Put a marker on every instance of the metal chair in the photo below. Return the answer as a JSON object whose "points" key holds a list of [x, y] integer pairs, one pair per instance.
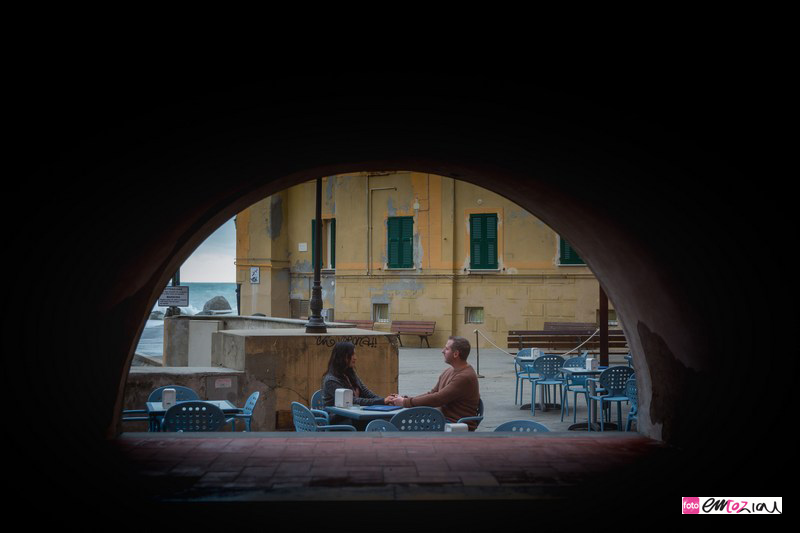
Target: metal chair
{"points": [[316, 400], [193, 416], [305, 420], [181, 394], [522, 426], [246, 414], [523, 371], [632, 392], [477, 419], [576, 385], [381, 425], [419, 419], [548, 368], [613, 380]]}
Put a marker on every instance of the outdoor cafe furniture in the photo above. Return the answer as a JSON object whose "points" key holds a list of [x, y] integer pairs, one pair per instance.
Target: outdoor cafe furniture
{"points": [[381, 425], [613, 381], [181, 394], [193, 416], [574, 382], [574, 374], [246, 412], [548, 368], [419, 419], [632, 392], [477, 419], [157, 412], [522, 426], [523, 370], [306, 420], [365, 413]]}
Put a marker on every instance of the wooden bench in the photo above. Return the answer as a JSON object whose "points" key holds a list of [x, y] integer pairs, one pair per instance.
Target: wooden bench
{"points": [[564, 340], [361, 324], [421, 328], [569, 326]]}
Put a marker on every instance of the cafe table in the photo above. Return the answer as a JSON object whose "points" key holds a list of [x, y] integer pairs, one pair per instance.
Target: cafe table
{"points": [[590, 384], [155, 410], [365, 413]]}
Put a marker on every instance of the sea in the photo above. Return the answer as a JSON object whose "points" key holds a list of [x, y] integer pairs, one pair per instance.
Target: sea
{"points": [[152, 340]]}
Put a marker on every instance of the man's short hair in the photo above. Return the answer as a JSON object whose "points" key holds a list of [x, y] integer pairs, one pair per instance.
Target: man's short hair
{"points": [[462, 346]]}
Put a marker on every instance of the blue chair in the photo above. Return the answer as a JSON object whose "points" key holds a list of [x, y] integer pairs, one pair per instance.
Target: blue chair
{"points": [[246, 412], [523, 371], [576, 385], [181, 394], [193, 416], [419, 419], [477, 419], [632, 392], [318, 408], [381, 425], [317, 401], [305, 420], [548, 368], [522, 426], [613, 381]]}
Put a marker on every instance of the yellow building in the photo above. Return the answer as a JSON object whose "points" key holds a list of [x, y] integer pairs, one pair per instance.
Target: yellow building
{"points": [[411, 246]]}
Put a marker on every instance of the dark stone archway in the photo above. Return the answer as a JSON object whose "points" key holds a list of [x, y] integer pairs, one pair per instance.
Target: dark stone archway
{"points": [[653, 190]]}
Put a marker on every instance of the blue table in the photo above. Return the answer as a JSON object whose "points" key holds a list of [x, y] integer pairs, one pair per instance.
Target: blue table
{"points": [[358, 413], [156, 410]]}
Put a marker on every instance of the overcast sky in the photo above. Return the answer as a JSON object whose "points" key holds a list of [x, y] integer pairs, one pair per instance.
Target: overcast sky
{"points": [[214, 260]]}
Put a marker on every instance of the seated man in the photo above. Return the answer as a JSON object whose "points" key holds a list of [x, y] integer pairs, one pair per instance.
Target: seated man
{"points": [[456, 393]]}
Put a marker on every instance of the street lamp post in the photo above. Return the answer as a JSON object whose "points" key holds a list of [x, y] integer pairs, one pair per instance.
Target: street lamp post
{"points": [[316, 324]]}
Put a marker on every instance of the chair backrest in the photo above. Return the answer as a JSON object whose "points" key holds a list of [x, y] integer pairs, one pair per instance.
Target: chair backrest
{"points": [[614, 378], [316, 400], [579, 361], [480, 406], [381, 425], [251, 403], [193, 416], [522, 426], [181, 393], [632, 392], [548, 366], [303, 418], [419, 419]]}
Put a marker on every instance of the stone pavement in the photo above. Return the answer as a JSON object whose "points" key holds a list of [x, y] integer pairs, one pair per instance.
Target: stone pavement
{"points": [[282, 467]]}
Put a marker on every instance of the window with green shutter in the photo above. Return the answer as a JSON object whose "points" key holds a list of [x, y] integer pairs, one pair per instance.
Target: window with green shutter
{"points": [[483, 241], [567, 254], [400, 242]]}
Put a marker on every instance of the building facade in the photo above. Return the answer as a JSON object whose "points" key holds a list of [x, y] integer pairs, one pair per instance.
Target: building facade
{"points": [[411, 246]]}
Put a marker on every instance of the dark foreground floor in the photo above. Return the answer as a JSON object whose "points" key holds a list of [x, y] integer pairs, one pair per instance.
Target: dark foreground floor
{"points": [[446, 474]]}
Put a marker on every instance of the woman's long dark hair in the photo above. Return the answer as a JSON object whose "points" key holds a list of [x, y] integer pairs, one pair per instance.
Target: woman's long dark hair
{"points": [[338, 364]]}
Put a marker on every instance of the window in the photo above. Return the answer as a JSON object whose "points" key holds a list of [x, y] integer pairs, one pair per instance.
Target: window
{"points": [[567, 254], [483, 241], [380, 312], [473, 315], [328, 243], [400, 242]]}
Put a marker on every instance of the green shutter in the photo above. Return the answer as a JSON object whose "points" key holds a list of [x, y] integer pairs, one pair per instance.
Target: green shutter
{"points": [[568, 255], [400, 247], [483, 241]]}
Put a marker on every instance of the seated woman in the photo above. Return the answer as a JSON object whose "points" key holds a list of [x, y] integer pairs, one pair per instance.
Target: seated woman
{"points": [[342, 375]]}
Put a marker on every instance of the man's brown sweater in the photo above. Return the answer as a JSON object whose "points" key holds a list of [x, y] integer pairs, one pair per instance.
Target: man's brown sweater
{"points": [[456, 393]]}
